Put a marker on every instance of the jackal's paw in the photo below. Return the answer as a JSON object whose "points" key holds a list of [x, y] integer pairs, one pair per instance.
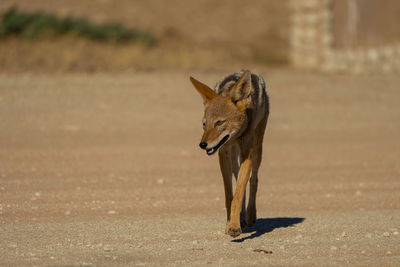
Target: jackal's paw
{"points": [[251, 218], [233, 230]]}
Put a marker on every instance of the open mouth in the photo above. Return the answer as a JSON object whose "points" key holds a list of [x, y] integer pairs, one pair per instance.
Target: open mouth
{"points": [[214, 149]]}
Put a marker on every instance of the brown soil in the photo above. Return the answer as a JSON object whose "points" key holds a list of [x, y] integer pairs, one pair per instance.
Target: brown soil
{"points": [[105, 170]]}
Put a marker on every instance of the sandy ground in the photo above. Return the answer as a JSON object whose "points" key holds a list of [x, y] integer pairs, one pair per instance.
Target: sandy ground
{"points": [[105, 170]]}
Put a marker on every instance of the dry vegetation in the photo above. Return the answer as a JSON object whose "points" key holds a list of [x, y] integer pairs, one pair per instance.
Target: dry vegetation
{"points": [[191, 35]]}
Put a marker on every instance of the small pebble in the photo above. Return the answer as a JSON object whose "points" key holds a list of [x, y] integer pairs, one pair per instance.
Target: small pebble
{"points": [[333, 248], [263, 251], [107, 248], [395, 233], [111, 212], [386, 234]]}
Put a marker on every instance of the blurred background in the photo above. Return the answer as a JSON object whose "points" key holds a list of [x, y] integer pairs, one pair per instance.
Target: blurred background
{"points": [[332, 35], [202, 34]]}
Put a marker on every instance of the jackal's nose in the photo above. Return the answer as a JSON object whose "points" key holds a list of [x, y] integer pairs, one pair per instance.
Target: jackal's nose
{"points": [[203, 145]]}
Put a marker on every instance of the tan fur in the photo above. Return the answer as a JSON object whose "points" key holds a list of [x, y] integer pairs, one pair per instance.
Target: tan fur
{"points": [[238, 116]]}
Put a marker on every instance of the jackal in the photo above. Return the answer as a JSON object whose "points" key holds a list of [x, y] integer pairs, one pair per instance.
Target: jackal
{"points": [[235, 117]]}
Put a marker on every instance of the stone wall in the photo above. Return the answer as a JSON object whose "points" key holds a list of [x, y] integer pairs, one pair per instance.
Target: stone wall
{"points": [[312, 42]]}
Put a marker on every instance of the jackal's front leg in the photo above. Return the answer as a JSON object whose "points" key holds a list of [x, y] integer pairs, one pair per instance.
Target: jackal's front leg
{"points": [[233, 227], [225, 164]]}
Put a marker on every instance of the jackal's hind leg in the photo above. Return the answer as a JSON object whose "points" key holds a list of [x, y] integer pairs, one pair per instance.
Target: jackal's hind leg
{"points": [[251, 215], [243, 217]]}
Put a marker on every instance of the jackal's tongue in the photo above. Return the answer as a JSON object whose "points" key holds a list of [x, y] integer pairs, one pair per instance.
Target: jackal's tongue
{"points": [[210, 151]]}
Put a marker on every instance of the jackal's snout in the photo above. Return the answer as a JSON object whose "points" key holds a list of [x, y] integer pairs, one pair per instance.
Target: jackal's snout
{"points": [[203, 145]]}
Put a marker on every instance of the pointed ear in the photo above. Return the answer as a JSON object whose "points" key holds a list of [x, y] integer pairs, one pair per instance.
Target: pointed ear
{"points": [[206, 92], [241, 91]]}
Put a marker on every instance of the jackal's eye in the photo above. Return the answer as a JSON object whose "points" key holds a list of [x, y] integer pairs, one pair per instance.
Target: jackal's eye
{"points": [[219, 123], [204, 124]]}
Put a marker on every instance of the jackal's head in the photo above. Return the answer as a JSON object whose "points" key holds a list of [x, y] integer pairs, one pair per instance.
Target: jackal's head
{"points": [[225, 114]]}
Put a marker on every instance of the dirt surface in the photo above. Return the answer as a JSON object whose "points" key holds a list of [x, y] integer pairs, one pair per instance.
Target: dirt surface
{"points": [[105, 170]]}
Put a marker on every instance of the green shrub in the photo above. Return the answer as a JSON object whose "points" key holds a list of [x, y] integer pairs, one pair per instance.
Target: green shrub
{"points": [[38, 24]]}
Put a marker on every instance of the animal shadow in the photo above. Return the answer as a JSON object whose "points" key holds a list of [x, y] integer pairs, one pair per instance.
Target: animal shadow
{"points": [[266, 225]]}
